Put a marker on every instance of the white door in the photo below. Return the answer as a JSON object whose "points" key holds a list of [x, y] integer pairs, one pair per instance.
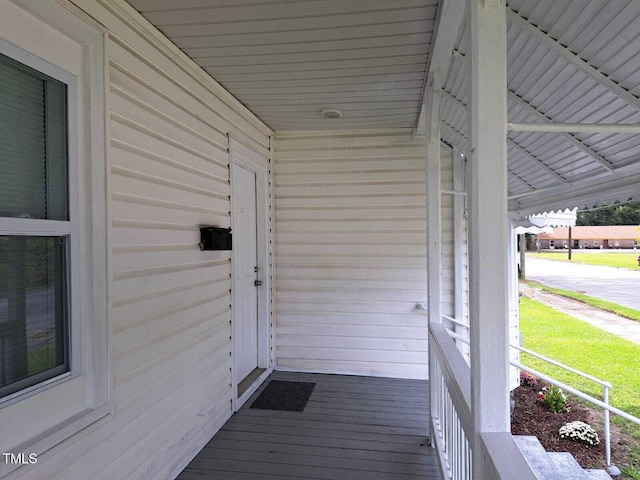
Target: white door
{"points": [[245, 256]]}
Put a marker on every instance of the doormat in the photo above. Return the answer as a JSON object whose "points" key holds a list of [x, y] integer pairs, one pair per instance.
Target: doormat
{"points": [[281, 395]]}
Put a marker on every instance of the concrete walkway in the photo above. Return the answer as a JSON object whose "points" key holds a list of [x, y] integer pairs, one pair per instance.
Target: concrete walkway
{"points": [[609, 322], [616, 285]]}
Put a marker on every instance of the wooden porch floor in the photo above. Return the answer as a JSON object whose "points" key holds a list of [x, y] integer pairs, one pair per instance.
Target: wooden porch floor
{"points": [[352, 428]]}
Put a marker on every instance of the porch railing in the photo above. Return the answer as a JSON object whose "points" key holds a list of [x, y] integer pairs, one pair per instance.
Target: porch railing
{"points": [[451, 421], [452, 430], [604, 404]]}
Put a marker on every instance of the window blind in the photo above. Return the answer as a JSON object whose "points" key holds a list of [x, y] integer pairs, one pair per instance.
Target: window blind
{"points": [[33, 144], [34, 317]]}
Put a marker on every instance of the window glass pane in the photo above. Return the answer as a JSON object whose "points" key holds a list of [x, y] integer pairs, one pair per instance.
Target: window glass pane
{"points": [[33, 144], [33, 304]]}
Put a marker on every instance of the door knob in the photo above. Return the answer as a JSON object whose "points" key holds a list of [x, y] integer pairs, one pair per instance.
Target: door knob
{"points": [[257, 283]]}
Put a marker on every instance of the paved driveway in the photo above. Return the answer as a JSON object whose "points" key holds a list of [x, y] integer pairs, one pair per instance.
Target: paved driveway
{"points": [[615, 285]]}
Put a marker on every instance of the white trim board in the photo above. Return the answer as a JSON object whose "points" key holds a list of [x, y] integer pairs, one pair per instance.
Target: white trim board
{"points": [[242, 156]]}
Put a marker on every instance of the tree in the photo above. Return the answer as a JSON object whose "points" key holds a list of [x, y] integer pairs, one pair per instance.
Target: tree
{"points": [[617, 214]]}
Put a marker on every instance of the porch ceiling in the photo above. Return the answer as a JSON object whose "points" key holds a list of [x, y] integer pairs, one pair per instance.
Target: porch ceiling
{"points": [[287, 60], [570, 61]]}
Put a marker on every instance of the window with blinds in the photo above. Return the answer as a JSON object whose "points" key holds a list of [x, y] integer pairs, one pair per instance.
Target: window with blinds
{"points": [[35, 226]]}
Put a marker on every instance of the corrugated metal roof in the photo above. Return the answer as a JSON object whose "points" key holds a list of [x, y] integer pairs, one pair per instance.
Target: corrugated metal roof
{"points": [[616, 232], [287, 60], [545, 85]]}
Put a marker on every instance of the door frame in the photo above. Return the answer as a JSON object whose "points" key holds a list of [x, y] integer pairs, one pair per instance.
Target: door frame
{"points": [[244, 157]]}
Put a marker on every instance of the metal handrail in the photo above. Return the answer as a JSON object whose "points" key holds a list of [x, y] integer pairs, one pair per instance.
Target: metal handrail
{"points": [[561, 365], [604, 404], [605, 392]]}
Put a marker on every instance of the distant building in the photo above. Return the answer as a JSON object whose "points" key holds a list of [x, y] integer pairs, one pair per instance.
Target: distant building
{"points": [[605, 237]]}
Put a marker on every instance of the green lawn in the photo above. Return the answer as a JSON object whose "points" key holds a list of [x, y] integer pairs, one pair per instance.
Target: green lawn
{"points": [[593, 351], [607, 259], [585, 348], [41, 359]]}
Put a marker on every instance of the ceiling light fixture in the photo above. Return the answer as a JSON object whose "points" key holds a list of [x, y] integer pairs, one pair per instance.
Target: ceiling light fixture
{"points": [[331, 113]]}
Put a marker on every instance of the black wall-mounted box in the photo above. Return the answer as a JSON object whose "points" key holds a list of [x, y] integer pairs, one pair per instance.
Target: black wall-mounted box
{"points": [[215, 238]]}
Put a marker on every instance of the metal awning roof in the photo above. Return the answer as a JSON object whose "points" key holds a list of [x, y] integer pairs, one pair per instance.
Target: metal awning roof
{"points": [[547, 221], [570, 61], [566, 218]]}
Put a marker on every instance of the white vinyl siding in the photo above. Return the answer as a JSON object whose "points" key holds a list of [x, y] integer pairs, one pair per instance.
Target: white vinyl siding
{"points": [[170, 303], [351, 252]]}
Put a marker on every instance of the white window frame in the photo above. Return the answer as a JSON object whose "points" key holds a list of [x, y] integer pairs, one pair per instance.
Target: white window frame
{"points": [[54, 228], [69, 48]]}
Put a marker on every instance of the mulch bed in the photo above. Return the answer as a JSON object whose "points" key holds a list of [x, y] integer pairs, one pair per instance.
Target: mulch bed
{"points": [[531, 417]]}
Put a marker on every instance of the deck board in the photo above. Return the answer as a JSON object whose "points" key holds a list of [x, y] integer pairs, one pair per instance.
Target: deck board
{"points": [[353, 428]]}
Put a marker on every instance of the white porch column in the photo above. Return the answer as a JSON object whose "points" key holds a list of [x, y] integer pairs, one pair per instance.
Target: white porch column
{"points": [[488, 222], [434, 202], [434, 226]]}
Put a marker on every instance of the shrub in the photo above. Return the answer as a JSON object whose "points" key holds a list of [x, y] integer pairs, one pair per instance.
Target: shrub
{"points": [[527, 380], [554, 399], [579, 432]]}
